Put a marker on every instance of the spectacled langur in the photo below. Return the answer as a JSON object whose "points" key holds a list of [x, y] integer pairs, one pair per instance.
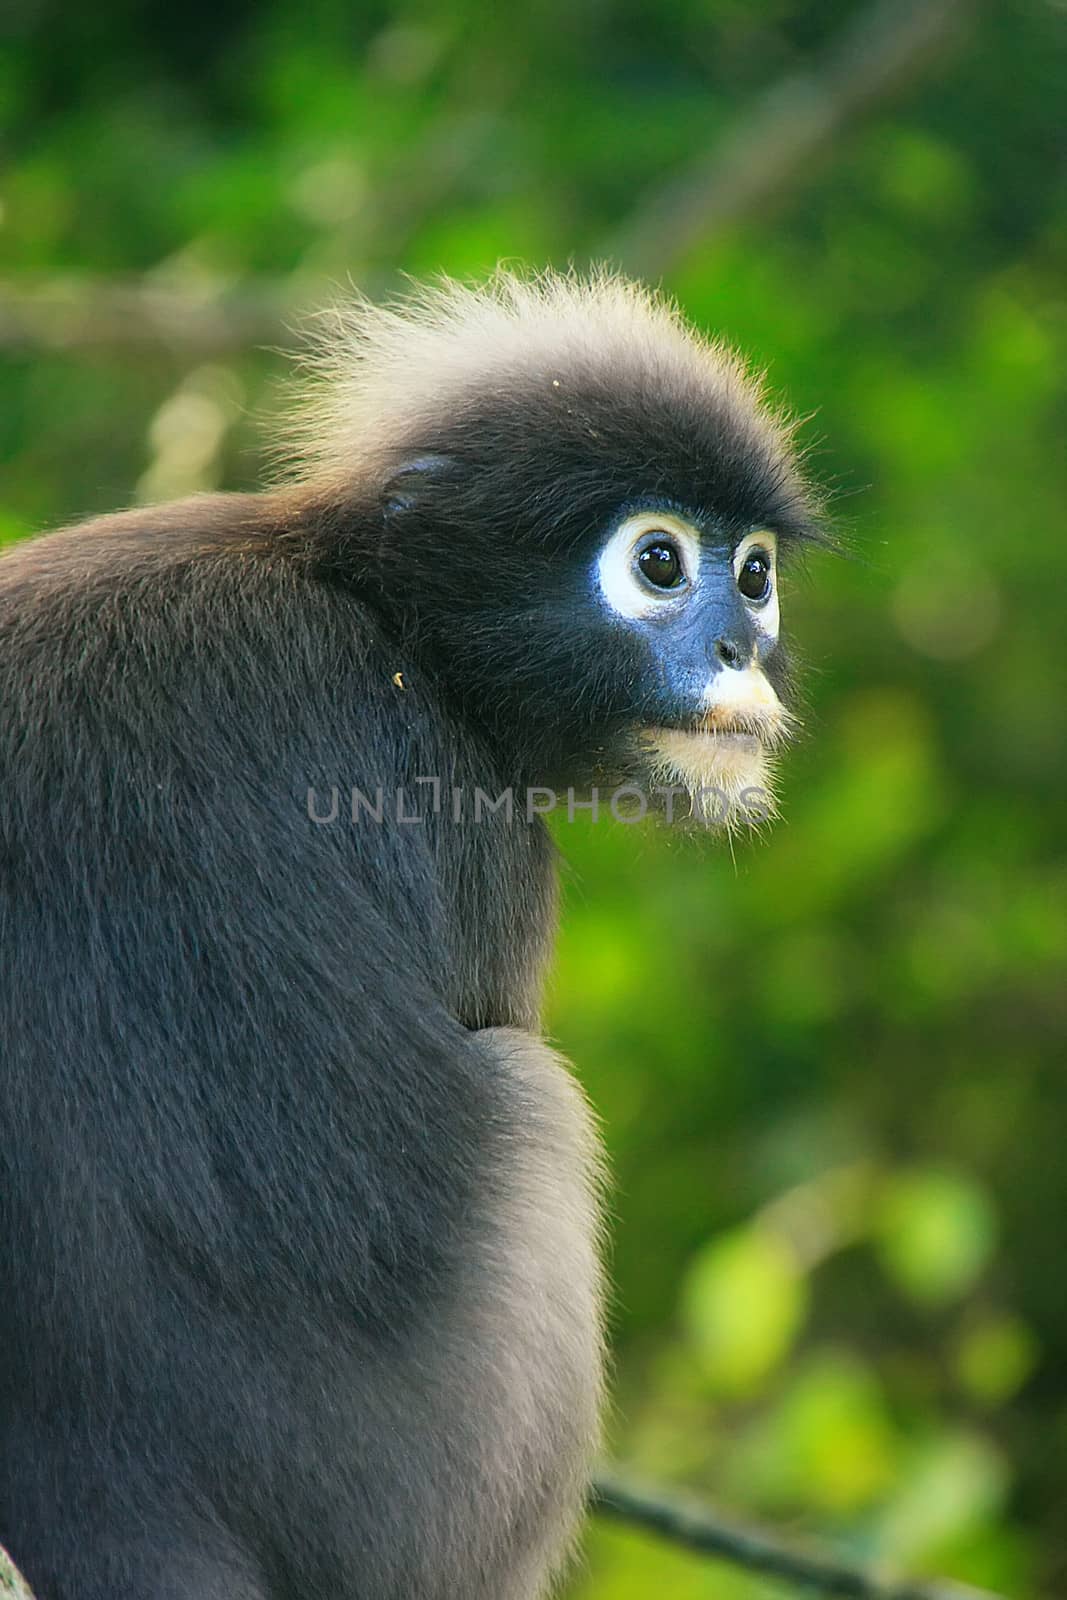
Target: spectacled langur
{"points": [[298, 1211]]}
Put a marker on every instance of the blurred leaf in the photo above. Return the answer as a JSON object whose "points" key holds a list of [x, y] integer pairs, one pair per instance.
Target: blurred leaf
{"points": [[827, 1444], [995, 1356], [935, 1233], [953, 1483], [744, 1300]]}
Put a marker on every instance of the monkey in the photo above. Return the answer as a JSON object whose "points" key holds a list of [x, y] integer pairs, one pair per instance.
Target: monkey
{"points": [[300, 1212]]}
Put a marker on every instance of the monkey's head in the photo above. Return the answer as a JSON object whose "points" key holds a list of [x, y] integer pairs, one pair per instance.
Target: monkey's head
{"points": [[571, 510]]}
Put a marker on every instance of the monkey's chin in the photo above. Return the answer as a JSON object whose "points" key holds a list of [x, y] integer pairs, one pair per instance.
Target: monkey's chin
{"points": [[727, 776]]}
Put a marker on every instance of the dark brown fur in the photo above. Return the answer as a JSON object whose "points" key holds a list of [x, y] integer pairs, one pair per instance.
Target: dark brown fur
{"points": [[297, 1221]]}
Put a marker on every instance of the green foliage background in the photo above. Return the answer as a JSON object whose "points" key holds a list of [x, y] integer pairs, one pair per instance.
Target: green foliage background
{"points": [[829, 1065]]}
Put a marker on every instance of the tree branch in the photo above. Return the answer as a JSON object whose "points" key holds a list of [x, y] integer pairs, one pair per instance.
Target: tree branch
{"points": [[73, 311], [772, 149], [776, 144], [696, 1528]]}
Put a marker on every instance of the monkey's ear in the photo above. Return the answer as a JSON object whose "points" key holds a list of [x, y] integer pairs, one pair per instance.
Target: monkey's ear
{"points": [[412, 480]]}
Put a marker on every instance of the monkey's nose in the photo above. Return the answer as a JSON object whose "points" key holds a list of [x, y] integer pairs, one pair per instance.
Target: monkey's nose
{"points": [[728, 652]]}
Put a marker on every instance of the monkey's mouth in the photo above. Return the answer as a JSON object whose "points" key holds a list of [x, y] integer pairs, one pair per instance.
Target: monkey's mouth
{"points": [[730, 728], [731, 731], [719, 744], [726, 753]]}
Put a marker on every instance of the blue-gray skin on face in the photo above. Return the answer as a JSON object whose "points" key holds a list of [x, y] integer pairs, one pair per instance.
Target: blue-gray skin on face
{"points": [[707, 612]]}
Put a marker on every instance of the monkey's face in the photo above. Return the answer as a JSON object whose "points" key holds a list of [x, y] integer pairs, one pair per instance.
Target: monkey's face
{"points": [[634, 645], [601, 622], [578, 510], [700, 609]]}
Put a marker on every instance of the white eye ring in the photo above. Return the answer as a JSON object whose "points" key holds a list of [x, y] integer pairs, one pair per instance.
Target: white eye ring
{"points": [[621, 583], [765, 614]]}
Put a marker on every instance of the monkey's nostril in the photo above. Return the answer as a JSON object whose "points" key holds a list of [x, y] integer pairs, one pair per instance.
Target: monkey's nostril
{"points": [[728, 652]]}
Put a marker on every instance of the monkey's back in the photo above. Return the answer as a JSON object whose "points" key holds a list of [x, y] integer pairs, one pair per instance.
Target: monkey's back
{"points": [[271, 1219]]}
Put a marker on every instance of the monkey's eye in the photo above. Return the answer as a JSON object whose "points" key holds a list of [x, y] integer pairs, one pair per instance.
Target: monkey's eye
{"points": [[660, 564], [754, 578], [649, 567]]}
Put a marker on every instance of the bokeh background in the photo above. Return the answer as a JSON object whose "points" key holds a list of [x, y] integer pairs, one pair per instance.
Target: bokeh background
{"points": [[830, 1065]]}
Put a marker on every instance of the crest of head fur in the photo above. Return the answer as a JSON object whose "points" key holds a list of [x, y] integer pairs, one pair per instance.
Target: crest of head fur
{"points": [[382, 373]]}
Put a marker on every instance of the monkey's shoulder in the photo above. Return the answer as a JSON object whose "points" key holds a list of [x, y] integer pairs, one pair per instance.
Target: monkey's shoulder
{"points": [[207, 607], [127, 547]]}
